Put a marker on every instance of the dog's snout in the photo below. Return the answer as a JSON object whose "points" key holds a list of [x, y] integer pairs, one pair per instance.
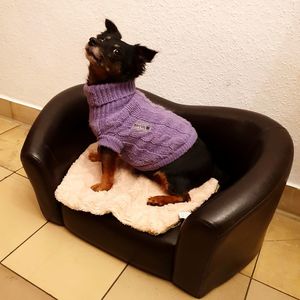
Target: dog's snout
{"points": [[92, 41]]}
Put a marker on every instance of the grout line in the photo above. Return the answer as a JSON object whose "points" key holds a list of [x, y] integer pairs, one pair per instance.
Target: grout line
{"points": [[288, 214], [28, 281], [251, 277], [248, 288], [114, 282], [21, 174], [280, 291], [10, 129], [287, 240], [12, 173], [23, 242], [255, 263], [19, 169], [6, 168], [6, 177]]}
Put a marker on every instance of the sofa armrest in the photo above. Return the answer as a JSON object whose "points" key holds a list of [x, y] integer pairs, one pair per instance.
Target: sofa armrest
{"points": [[57, 137], [272, 167], [233, 223]]}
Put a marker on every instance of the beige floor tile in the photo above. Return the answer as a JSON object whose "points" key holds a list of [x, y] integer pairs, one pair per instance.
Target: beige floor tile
{"points": [[283, 228], [259, 291], [20, 215], [248, 270], [135, 284], [4, 173], [64, 265], [279, 266], [17, 134], [14, 287], [11, 143], [6, 124]]}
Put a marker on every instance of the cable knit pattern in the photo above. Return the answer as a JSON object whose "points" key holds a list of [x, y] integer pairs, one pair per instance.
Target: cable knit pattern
{"points": [[146, 135]]}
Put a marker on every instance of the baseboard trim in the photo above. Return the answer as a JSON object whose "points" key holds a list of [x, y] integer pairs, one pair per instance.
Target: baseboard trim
{"points": [[18, 110], [21, 102], [290, 200], [294, 185]]}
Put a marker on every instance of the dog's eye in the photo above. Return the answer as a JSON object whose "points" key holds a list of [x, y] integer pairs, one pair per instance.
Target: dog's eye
{"points": [[116, 52], [100, 38]]}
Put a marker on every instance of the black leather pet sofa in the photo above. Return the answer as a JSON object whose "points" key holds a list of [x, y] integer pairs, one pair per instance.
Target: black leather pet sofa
{"points": [[214, 242]]}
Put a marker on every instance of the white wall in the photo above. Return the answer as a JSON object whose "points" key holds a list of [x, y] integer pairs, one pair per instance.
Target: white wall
{"points": [[232, 53]]}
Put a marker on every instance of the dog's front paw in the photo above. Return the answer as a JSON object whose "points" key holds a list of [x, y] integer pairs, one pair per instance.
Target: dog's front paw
{"points": [[94, 156], [99, 187]]}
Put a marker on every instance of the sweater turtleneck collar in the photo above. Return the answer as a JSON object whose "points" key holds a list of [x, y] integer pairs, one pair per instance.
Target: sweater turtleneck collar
{"points": [[104, 93]]}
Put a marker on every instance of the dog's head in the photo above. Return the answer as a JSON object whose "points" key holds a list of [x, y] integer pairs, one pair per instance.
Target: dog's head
{"points": [[113, 60]]}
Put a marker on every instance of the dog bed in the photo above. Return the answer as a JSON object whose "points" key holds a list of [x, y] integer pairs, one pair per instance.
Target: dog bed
{"points": [[127, 200]]}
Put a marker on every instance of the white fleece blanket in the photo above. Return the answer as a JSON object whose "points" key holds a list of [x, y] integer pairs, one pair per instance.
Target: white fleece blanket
{"points": [[127, 200]]}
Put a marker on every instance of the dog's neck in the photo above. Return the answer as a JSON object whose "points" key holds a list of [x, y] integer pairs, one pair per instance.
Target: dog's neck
{"points": [[97, 76], [100, 94]]}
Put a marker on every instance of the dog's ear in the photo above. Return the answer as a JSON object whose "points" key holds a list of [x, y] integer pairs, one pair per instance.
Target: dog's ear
{"points": [[112, 28], [145, 54]]}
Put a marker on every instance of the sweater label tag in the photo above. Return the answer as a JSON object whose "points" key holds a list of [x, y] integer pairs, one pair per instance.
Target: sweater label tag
{"points": [[184, 214], [141, 126]]}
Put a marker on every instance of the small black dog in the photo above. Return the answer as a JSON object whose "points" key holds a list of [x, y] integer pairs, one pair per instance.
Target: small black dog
{"points": [[114, 63]]}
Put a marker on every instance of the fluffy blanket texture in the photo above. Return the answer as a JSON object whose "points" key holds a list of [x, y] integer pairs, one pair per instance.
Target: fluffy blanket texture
{"points": [[127, 200]]}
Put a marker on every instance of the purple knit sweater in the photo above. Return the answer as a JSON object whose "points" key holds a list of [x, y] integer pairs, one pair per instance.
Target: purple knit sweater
{"points": [[146, 135]]}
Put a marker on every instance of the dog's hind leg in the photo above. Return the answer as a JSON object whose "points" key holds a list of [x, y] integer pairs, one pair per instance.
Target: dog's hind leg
{"points": [[163, 181], [168, 199], [94, 156]]}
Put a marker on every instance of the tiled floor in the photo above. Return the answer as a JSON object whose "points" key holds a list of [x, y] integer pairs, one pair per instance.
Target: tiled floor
{"points": [[40, 260]]}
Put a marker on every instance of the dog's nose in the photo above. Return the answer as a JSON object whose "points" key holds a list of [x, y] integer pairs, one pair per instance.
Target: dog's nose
{"points": [[92, 41]]}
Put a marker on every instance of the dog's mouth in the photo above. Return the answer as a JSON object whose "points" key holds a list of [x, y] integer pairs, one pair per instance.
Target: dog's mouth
{"points": [[93, 54]]}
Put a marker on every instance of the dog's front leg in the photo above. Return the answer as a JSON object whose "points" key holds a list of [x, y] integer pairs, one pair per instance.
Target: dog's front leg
{"points": [[108, 160]]}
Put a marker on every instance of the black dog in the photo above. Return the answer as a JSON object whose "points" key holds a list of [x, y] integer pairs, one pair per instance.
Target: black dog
{"points": [[112, 62]]}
